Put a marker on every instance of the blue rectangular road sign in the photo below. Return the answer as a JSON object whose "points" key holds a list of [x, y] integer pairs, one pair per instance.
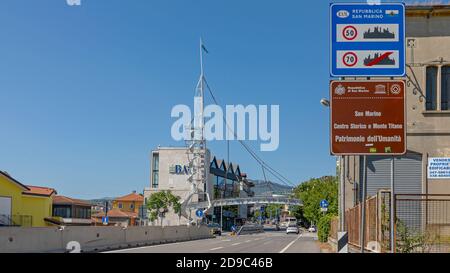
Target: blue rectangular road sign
{"points": [[367, 40]]}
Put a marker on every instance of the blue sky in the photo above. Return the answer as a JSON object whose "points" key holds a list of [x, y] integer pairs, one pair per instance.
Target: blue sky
{"points": [[87, 91]]}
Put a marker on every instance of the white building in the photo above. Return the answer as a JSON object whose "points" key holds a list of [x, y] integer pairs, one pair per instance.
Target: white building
{"points": [[170, 171]]}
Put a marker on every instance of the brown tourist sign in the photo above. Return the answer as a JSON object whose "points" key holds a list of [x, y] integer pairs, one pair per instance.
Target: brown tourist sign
{"points": [[368, 117]]}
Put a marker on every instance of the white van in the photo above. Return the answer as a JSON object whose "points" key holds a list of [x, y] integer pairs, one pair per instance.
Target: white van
{"points": [[288, 221]]}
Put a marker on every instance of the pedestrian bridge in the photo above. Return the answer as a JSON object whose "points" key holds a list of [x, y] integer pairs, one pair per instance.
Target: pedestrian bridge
{"points": [[247, 201]]}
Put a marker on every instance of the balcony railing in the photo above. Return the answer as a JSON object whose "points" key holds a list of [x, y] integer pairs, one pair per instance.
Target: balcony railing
{"points": [[16, 220]]}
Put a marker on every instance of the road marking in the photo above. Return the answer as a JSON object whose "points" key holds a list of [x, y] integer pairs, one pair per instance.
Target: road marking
{"points": [[290, 244], [379, 59], [248, 241], [142, 247], [226, 240], [217, 248], [236, 244]]}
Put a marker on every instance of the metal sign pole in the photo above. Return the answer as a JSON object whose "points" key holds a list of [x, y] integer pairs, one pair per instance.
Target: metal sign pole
{"points": [[392, 207], [362, 225], [342, 190]]}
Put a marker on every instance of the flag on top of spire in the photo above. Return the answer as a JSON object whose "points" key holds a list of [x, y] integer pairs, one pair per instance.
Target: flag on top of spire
{"points": [[203, 46]]}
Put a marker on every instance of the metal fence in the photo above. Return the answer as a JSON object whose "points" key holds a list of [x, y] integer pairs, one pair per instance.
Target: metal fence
{"points": [[376, 230], [422, 223], [352, 222]]}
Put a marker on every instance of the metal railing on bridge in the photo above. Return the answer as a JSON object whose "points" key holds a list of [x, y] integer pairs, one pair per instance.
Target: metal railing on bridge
{"points": [[16, 220], [248, 201]]}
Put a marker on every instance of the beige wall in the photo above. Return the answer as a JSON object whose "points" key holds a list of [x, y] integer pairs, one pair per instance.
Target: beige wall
{"points": [[428, 133], [177, 183]]}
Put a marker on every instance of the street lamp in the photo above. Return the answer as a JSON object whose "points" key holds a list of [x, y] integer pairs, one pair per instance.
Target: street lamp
{"points": [[325, 102], [162, 211]]}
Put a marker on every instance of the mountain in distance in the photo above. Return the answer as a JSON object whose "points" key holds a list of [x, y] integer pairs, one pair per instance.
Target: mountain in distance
{"points": [[269, 188], [100, 201]]}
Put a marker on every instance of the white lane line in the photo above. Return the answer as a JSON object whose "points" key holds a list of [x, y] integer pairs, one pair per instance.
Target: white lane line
{"points": [[142, 247], [217, 248], [290, 244], [226, 240], [248, 241], [236, 244], [268, 242]]}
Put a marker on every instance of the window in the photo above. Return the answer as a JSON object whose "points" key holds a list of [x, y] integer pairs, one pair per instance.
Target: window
{"points": [[132, 206], [445, 87], [219, 187], [155, 171], [431, 91], [63, 212], [120, 206]]}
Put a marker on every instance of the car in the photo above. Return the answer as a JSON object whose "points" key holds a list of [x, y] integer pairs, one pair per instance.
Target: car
{"points": [[312, 228], [215, 229], [292, 229]]}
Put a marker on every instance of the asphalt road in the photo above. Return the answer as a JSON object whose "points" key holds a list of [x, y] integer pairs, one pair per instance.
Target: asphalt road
{"points": [[268, 242]]}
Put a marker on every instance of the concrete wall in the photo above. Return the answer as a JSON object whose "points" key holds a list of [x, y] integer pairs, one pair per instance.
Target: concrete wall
{"points": [[92, 239]]}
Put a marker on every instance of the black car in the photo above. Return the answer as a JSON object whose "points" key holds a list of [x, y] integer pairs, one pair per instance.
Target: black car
{"points": [[215, 229]]}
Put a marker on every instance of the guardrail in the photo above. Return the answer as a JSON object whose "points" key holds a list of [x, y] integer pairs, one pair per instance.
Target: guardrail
{"points": [[250, 229]]}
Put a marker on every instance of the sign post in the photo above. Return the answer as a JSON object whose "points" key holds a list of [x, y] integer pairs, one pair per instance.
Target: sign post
{"points": [[199, 213], [367, 40], [368, 117], [324, 206], [439, 168]]}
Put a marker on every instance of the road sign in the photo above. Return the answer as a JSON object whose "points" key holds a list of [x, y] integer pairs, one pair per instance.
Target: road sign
{"points": [[105, 220], [367, 40], [438, 168], [368, 117], [199, 213], [324, 204]]}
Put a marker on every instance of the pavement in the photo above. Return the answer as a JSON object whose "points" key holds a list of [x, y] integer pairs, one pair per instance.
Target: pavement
{"points": [[267, 242]]}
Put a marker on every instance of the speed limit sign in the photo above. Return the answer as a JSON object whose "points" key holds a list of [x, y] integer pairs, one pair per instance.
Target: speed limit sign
{"points": [[349, 33], [350, 59]]}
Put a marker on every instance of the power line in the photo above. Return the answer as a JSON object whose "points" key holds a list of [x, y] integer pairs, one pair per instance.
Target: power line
{"points": [[263, 164]]}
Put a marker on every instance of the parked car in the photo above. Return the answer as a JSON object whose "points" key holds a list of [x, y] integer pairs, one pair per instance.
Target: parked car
{"points": [[292, 228], [312, 228], [215, 229]]}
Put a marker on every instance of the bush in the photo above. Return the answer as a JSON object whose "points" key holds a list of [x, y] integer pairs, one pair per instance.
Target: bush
{"points": [[323, 228]]}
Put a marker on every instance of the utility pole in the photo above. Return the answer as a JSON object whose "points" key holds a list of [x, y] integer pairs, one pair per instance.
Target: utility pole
{"points": [[392, 206], [342, 195], [221, 218], [362, 226]]}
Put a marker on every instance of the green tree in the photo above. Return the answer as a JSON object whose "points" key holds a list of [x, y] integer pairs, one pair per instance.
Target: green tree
{"points": [[323, 228], [311, 193], [159, 204], [272, 210], [297, 212]]}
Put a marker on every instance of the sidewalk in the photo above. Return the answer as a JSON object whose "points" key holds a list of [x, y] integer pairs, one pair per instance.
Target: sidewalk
{"points": [[325, 247]]}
